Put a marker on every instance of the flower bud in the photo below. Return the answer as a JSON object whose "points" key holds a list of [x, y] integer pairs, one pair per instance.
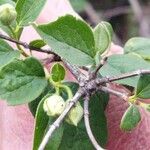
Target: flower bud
{"points": [[7, 14], [75, 114], [54, 105]]}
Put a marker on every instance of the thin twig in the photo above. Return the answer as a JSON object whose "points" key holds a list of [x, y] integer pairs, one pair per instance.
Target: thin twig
{"points": [[87, 124], [60, 119], [99, 66], [84, 68], [49, 60], [111, 91], [122, 76], [25, 45]]}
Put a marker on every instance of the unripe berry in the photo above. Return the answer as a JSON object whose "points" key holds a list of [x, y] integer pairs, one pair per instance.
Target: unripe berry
{"points": [[7, 14], [75, 114], [54, 105]]}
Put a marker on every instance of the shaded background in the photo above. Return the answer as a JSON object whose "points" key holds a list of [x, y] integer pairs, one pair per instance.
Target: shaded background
{"points": [[129, 18]]}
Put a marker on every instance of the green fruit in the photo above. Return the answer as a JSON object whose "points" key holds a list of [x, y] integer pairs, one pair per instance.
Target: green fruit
{"points": [[7, 14], [54, 105], [75, 114]]}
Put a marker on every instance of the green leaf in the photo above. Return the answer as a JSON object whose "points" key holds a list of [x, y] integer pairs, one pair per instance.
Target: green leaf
{"points": [[70, 38], [131, 118], [37, 43], [103, 36], [139, 46], [143, 87], [22, 81], [7, 53], [58, 72], [98, 103], [119, 64], [28, 11], [42, 122], [75, 138]]}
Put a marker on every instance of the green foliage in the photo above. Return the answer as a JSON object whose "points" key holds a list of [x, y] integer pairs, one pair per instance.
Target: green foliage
{"points": [[103, 36], [22, 81], [28, 11], [70, 38], [7, 53], [58, 72], [143, 87], [37, 43], [131, 118], [75, 138], [139, 46], [98, 103]]}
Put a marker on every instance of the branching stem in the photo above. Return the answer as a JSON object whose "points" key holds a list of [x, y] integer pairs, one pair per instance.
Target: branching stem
{"points": [[87, 124], [87, 86]]}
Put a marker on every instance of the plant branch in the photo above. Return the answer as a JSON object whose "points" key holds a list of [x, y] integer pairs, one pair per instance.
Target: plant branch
{"points": [[50, 59], [122, 76], [25, 45], [60, 119], [111, 91], [87, 124], [84, 68], [94, 74]]}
